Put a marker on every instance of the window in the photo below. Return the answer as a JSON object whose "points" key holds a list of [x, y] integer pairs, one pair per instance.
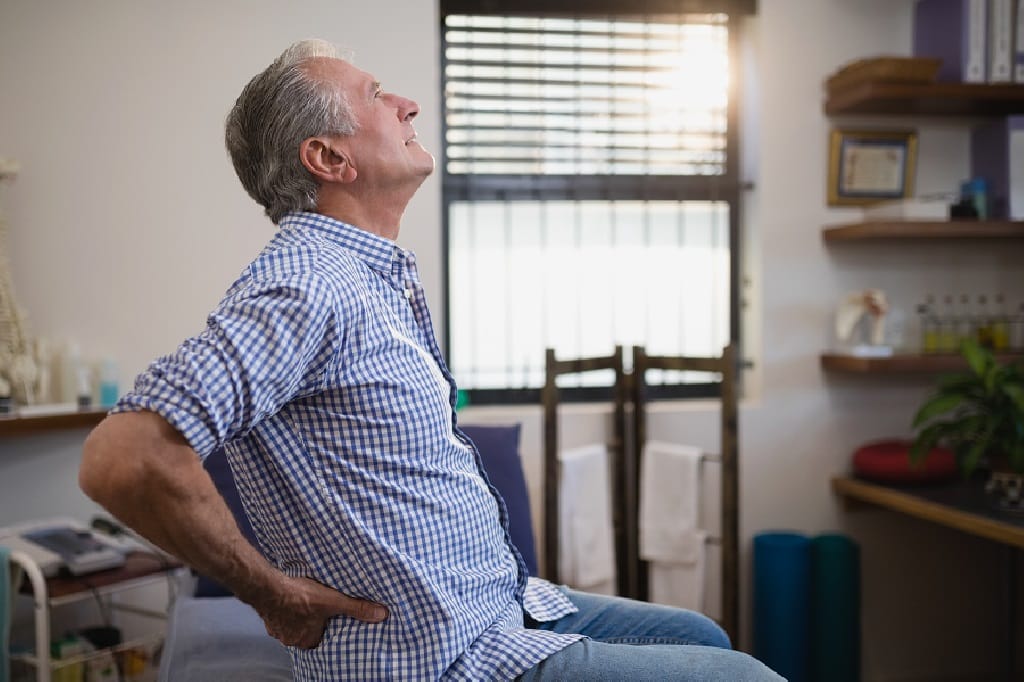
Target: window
{"points": [[590, 190]]}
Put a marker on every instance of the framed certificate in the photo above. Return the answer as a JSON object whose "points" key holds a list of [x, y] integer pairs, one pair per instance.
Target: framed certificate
{"points": [[865, 166]]}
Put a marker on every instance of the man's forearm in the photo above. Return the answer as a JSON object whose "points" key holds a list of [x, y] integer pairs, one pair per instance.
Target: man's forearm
{"points": [[140, 469]]}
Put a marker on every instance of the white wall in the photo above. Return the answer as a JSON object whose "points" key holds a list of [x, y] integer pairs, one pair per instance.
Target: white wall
{"points": [[127, 223]]}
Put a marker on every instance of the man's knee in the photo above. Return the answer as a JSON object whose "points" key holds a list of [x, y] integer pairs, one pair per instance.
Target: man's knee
{"points": [[712, 633], [610, 662], [742, 667]]}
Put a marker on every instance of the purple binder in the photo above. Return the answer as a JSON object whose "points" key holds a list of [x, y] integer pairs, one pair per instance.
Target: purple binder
{"points": [[997, 154], [955, 32]]}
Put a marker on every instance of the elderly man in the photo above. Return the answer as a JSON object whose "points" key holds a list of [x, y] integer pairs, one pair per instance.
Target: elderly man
{"points": [[384, 552]]}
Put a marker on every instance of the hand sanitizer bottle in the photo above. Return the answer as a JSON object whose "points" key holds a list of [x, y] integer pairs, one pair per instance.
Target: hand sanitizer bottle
{"points": [[108, 383]]}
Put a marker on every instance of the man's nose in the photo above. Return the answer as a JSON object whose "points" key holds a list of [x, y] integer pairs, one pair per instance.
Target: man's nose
{"points": [[407, 109]]}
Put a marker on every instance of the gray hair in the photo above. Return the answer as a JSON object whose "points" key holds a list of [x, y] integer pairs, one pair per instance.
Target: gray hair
{"points": [[279, 108]]}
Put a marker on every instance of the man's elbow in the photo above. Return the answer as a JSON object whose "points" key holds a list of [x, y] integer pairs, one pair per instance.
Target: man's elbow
{"points": [[104, 474]]}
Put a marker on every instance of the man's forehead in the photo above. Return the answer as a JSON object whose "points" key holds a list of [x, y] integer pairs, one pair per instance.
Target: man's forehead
{"points": [[330, 68]]}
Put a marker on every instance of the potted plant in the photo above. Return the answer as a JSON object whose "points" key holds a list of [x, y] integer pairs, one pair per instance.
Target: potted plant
{"points": [[979, 415]]}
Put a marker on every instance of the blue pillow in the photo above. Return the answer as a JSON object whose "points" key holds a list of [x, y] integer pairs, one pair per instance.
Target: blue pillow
{"points": [[499, 451], [216, 464]]}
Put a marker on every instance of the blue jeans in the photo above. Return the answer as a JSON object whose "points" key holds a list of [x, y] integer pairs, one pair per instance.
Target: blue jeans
{"points": [[676, 645]]}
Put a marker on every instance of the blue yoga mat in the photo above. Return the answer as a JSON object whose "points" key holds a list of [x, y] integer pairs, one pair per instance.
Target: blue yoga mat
{"points": [[782, 613], [835, 609]]}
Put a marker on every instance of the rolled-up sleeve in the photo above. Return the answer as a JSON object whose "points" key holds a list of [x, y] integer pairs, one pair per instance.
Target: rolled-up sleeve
{"points": [[267, 343]]}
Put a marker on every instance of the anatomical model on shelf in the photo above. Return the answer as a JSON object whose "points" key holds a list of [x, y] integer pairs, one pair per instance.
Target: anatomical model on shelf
{"points": [[18, 363], [860, 323]]}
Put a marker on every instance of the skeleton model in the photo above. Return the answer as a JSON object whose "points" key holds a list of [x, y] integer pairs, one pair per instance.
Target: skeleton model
{"points": [[19, 369]]}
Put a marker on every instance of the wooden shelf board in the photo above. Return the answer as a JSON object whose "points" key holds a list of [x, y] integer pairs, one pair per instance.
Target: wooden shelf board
{"points": [[137, 565], [907, 502], [924, 230], [927, 99], [13, 425], [903, 363]]}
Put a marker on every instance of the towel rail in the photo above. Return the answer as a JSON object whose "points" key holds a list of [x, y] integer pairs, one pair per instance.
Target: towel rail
{"points": [[631, 572], [616, 451], [725, 367]]}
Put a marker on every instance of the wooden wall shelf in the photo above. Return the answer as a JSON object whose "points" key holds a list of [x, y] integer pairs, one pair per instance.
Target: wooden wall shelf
{"points": [[24, 426], [904, 363], [927, 99], [924, 230], [960, 505]]}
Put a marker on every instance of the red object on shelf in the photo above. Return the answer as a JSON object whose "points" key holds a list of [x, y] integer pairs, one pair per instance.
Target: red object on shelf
{"points": [[889, 461]]}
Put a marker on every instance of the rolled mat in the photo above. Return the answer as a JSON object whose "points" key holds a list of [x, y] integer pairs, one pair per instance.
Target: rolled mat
{"points": [[835, 608], [782, 625]]}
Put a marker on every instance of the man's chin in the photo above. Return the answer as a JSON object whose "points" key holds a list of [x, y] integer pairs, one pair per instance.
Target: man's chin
{"points": [[428, 168]]}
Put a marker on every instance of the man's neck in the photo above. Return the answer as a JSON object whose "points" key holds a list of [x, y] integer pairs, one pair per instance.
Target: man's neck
{"points": [[379, 215]]}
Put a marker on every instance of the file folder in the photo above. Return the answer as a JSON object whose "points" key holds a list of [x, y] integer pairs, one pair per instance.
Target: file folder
{"points": [[954, 31], [997, 154], [1000, 41], [1018, 50]]}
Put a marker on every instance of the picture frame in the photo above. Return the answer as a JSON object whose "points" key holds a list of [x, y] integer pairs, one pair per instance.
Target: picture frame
{"points": [[867, 166]]}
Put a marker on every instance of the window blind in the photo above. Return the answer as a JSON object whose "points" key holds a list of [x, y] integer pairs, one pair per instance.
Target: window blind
{"points": [[558, 96]]}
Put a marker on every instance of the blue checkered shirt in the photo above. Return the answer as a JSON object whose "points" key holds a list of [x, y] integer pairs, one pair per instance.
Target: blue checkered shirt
{"points": [[320, 375]]}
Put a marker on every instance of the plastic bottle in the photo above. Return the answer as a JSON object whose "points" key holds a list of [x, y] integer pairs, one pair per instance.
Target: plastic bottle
{"points": [[947, 326], [931, 330], [70, 365], [108, 383], [983, 323], [1017, 329], [976, 190], [1000, 324], [964, 321], [83, 386]]}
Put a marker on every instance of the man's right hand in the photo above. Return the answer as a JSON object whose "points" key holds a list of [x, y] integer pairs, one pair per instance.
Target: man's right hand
{"points": [[299, 615], [146, 474]]}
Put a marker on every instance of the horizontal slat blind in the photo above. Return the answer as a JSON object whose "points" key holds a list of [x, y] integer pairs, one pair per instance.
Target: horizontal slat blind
{"points": [[555, 96]]}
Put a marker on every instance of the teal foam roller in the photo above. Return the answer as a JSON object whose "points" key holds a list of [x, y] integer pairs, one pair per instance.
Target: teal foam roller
{"points": [[782, 574], [835, 609]]}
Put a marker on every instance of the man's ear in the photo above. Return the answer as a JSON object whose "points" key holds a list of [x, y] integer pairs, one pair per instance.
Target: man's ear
{"points": [[326, 160]]}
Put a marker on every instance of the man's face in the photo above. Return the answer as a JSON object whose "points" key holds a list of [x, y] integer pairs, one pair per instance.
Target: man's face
{"points": [[384, 150]]}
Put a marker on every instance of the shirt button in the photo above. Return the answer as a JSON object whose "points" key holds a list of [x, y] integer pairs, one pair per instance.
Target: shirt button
{"points": [[409, 293]]}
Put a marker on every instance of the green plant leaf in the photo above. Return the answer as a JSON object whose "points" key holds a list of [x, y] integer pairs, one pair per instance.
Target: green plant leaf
{"points": [[978, 358], [1017, 456], [967, 427], [924, 442], [936, 405], [1016, 394], [963, 383], [970, 460]]}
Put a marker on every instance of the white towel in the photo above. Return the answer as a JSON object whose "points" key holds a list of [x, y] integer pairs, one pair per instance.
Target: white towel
{"points": [[586, 555], [669, 503], [679, 585], [669, 537]]}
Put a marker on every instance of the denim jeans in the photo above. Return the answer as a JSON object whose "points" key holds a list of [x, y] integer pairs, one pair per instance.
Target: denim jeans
{"points": [[632, 640]]}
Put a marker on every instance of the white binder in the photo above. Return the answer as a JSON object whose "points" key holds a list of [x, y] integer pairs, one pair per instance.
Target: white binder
{"points": [[1018, 50], [1000, 41]]}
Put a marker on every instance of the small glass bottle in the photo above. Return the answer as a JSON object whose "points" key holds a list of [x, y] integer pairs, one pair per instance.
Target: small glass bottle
{"points": [[964, 321], [1000, 324], [983, 323], [108, 383], [947, 326], [931, 330], [1017, 330]]}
